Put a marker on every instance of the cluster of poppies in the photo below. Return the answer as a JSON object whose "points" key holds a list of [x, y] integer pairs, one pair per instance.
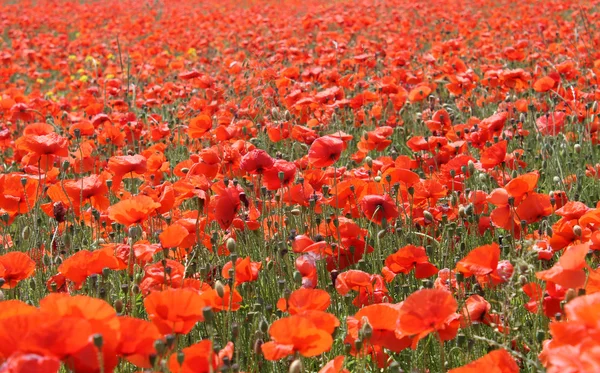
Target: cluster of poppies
{"points": [[252, 186]]}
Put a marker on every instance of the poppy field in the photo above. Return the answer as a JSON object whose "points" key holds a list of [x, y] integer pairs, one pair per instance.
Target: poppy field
{"points": [[299, 186]]}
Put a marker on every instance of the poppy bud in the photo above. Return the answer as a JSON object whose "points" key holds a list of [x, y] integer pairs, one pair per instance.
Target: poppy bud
{"points": [[570, 295], [334, 274], [220, 289], [297, 276], [230, 244], [366, 329], [377, 178], [180, 358], [358, 344], [207, 313], [23, 181], [257, 346], [98, 341], [577, 148], [135, 289], [109, 183], [263, 326], [135, 232], [235, 330], [119, 306], [170, 340], [540, 335], [296, 367], [295, 212], [159, 346], [381, 234], [471, 167], [577, 231], [394, 367], [25, 233], [427, 215]]}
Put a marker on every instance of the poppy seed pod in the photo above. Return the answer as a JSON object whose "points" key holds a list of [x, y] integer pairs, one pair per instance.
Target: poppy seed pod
{"points": [[220, 289], [230, 245], [296, 367], [263, 326], [98, 341]]}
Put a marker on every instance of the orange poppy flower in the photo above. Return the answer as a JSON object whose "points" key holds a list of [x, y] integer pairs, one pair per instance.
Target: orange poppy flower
{"points": [[499, 361], [15, 197], [199, 125], [569, 270], [26, 362], [245, 270], [175, 310], [15, 266], [477, 310], [84, 263], [405, 260], [230, 301], [91, 188], [419, 93], [296, 334], [325, 151], [173, 236], [124, 165], [494, 155], [197, 358], [101, 318], [427, 311], [137, 340], [133, 210], [302, 300], [44, 145], [481, 261], [335, 366], [544, 84], [383, 320]]}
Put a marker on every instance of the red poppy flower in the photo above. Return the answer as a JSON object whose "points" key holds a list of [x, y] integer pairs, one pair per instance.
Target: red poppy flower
{"points": [[256, 161], [325, 151], [377, 207]]}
